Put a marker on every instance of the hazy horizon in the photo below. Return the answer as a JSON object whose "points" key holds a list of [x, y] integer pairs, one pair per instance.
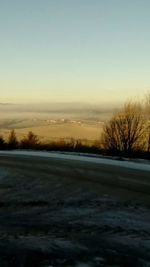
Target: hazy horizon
{"points": [[107, 103]]}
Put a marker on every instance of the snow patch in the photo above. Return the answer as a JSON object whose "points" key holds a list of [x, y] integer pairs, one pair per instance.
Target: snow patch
{"points": [[77, 157], [3, 174]]}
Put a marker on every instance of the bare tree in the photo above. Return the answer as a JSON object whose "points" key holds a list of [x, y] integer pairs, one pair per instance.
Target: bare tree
{"points": [[2, 142], [147, 121], [12, 140], [124, 132]]}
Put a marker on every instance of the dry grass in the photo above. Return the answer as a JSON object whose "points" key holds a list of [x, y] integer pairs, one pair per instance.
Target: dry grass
{"points": [[56, 131]]}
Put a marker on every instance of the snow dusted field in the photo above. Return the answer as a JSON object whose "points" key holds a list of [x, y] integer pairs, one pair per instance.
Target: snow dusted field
{"points": [[144, 165], [65, 209]]}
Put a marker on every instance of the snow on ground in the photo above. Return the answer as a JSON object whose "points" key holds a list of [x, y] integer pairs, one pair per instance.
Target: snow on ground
{"points": [[3, 174], [80, 157]]}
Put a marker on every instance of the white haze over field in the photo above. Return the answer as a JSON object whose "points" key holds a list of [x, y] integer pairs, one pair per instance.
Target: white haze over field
{"points": [[56, 110]]}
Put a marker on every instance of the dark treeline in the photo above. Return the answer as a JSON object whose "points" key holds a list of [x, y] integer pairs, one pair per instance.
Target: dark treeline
{"points": [[31, 141]]}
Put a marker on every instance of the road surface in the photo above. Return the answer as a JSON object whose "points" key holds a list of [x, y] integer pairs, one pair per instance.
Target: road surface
{"points": [[61, 212]]}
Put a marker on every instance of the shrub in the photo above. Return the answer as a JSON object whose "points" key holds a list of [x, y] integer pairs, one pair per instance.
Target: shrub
{"points": [[123, 134], [31, 141]]}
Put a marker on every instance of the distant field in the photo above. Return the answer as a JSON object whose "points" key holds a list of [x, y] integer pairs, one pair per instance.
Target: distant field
{"points": [[54, 130], [54, 121]]}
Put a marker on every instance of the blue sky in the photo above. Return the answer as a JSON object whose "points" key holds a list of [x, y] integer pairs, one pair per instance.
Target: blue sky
{"points": [[66, 50]]}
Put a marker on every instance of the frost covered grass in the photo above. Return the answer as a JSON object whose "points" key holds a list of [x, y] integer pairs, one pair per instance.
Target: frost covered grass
{"points": [[81, 157]]}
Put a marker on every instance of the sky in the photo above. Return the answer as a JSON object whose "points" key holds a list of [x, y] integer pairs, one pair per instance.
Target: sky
{"points": [[93, 51]]}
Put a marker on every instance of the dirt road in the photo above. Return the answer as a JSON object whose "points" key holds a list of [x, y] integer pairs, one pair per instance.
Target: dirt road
{"points": [[57, 212]]}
